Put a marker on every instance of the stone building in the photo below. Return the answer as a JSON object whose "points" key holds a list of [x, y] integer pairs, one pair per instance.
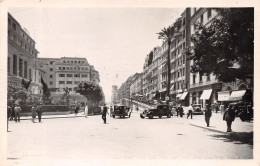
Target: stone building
{"points": [[22, 62]]}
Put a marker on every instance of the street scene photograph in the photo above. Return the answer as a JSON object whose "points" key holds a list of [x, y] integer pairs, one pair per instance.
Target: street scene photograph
{"points": [[142, 84]]}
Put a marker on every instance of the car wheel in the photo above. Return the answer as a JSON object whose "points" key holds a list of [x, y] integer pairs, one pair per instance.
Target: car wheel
{"points": [[114, 116], [150, 116], [141, 116]]}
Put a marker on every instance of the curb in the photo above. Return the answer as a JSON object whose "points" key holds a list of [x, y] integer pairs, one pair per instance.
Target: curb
{"points": [[208, 128]]}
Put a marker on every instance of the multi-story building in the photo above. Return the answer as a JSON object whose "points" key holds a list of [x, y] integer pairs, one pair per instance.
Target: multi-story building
{"points": [[150, 73], [114, 97], [180, 67], [68, 72], [22, 58], [136, 85], [207, 88], [203, 88]]}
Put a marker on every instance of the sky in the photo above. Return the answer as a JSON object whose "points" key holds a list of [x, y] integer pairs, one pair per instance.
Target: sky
{"points": [[114, 40]]}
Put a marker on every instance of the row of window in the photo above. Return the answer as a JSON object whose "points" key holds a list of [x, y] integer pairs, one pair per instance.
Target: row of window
{"points": [[20, 42], [74, 68], [73, 61], [75, 75], [68, 82], [13, 26]]}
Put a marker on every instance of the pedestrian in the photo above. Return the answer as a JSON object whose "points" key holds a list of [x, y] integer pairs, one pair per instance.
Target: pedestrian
{"points": [[12, 114], [111, 110], [34, 111], [217, 107], [137, 109], [181, 111], [208, 114], [190, 108], [104, 113], [229, 117], [86, 111], [39, 113], [17, 110], [178, 110], [9, 112]]}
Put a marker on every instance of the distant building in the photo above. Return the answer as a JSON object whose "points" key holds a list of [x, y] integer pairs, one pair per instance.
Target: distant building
{"points": [[114, 97], [22, 58], [68, 72]]}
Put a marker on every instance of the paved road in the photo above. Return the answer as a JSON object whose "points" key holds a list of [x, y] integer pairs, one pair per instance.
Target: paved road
{"points": [[130, 138]]}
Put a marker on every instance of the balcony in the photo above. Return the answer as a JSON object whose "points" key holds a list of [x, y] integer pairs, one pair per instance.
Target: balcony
{"points": [[202, 84]]}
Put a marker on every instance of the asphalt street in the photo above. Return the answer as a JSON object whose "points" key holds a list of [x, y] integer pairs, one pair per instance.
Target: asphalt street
{"points": [[79, 138]]}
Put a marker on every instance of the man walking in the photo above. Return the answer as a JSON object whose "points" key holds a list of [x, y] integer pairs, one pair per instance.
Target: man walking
{"points": [[208, 114], [104, 113], [229, 117], [39, 113], [17, 110], [181, 111], [190, 108]]}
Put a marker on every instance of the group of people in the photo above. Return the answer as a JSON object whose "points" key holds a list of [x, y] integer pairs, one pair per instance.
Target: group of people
{"points": [[13, 113], [228, 116]]}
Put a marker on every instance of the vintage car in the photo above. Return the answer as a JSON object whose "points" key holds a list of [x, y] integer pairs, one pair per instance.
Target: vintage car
{"points": [[159, 110], [121, 111], [197, 109]]}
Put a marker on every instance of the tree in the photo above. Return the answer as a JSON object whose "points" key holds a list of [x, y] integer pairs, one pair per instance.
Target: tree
{"points": [[66, 96], [225, 48], [168, 35], [26, 84], [90, 90], [46, 93]]}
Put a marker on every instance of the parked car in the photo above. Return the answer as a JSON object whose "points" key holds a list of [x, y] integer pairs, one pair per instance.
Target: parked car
{"points": [[121, 111], [197, 109], [159, 110]]}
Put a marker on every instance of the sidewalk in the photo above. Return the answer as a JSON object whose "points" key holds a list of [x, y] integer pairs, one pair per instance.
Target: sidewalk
{"points": [[218, 125], [80, 114]]}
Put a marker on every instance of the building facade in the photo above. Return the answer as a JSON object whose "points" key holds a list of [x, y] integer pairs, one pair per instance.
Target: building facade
{"points": [[68, 72], [203, 88], [23, 58]]}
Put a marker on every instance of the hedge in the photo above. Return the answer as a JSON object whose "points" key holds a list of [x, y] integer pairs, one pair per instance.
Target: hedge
{"points": [[47, 108]]}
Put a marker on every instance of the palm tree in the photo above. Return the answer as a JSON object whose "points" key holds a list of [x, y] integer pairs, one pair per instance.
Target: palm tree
{"points": [[169, 34]]}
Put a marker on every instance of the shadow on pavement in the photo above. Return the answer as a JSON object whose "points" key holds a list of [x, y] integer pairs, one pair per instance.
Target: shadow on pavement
{"points": [[236, 137]]}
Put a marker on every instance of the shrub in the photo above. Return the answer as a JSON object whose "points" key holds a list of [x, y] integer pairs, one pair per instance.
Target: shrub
{"points": [[47, 108]]}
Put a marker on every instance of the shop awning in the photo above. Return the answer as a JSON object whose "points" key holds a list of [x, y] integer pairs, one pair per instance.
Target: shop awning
{"points": [[223, 96], [179, 95], [172, 87], [183, 96], [206, 94], [237, 95]]}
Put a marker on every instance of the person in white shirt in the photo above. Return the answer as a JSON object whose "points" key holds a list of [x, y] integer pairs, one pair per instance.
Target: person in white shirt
{"points": [[86, 111], [190, 108]]}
